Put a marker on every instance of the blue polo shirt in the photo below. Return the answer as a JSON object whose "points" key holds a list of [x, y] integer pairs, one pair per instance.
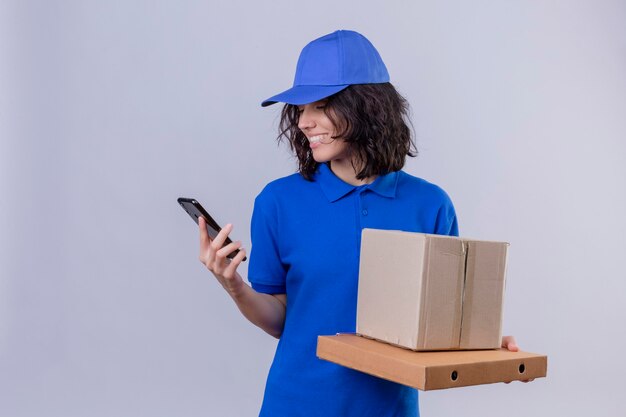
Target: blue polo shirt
{"points": [[306, 238]]}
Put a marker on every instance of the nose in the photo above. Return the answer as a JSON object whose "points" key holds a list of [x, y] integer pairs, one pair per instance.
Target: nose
{"points": [[306, 119]]}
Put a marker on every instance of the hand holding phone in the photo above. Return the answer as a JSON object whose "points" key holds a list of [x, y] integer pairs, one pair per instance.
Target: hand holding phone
{"points": [[218, 253], [195, 211]]}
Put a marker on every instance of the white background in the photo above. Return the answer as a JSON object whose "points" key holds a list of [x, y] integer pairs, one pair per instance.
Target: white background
{"points": [[111, 110]]}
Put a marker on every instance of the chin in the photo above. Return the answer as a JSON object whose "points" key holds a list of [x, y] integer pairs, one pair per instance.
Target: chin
{"points": [[320, 159]]}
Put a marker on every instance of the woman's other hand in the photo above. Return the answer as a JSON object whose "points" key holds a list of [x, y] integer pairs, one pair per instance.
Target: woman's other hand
{"points": [[509, 343]]}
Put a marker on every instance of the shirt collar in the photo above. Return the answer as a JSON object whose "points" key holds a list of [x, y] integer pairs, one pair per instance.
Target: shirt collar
{"points": [[335, 188]]}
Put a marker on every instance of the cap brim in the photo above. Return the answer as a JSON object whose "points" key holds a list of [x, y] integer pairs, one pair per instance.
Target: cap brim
{"points": [[304, 94]]}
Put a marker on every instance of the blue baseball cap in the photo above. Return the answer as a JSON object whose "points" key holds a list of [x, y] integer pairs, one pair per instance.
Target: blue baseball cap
{"points": [[331, 63]]}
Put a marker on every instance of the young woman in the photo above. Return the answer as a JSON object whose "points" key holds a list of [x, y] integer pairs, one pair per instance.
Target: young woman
{"points": [[347, 125]]}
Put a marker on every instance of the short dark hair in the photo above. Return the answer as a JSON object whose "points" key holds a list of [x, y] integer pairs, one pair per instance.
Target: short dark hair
{"points": [[371, 118]]}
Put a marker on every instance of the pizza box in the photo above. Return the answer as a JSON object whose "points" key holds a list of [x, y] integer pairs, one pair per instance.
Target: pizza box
{"points": [[430, 370]]}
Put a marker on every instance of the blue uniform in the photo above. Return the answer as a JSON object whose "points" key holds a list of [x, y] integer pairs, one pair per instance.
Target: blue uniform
{"points": [[306, 239]]}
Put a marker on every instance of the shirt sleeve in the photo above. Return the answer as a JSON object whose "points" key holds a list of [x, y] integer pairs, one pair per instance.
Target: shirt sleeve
{"points": [[446, 223], [266, 272]]}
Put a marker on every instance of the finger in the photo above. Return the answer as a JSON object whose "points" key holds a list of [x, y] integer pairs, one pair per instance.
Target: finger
{"points": [[234, 263], [218, 255], [204, 235], [228, 249], [212, 262], [508, 342], [219, 240]]}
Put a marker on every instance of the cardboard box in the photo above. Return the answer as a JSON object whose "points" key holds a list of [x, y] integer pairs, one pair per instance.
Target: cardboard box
{"points": [[431, 292], [430, 370]]}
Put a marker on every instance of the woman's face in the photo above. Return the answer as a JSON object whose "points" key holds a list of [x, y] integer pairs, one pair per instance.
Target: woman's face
{"points": [[320, 131]]}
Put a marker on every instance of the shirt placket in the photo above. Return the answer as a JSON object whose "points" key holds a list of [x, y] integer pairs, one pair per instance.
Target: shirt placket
{"points": [[362, 213]]}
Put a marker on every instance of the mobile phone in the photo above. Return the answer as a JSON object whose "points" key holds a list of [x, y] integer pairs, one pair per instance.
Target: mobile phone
{"points": [[195, 210]]}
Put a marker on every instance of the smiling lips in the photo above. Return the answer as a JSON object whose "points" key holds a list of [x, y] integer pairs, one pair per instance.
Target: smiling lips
{"points": [[315, 141]]}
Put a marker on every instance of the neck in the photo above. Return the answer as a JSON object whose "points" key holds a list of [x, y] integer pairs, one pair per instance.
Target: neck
{"points": [[344, 169]]}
